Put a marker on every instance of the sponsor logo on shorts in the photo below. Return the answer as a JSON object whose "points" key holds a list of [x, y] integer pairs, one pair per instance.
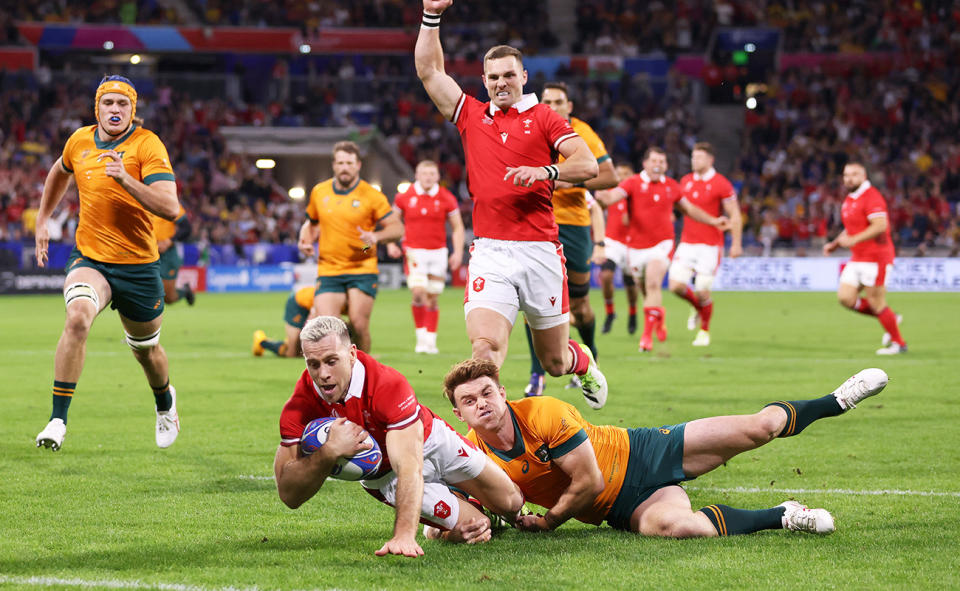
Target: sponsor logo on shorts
{"points": [[462, 453], [157, 305], [441, 510], [664, 431], [478, 284], [553, 300]]}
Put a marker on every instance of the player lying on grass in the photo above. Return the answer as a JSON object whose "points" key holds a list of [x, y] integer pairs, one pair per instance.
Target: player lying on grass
{"points": [[422, 454], [630, 477]]}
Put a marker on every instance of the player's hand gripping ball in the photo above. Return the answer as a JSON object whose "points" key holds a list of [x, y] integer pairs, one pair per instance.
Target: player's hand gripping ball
{"points": [[363, 465]]}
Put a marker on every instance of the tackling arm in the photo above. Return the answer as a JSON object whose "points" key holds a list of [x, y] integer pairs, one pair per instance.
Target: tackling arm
{"points": [[701, 216], [586, 482]]}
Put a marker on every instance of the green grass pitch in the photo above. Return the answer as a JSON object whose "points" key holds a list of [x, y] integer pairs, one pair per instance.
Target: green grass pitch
{"points": [[110, 510]]}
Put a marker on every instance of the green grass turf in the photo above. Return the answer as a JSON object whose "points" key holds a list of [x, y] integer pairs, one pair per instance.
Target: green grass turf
{"points": [[112, 509]]}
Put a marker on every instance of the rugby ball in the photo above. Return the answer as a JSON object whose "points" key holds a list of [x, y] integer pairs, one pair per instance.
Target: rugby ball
{"points": [[363, 465]]}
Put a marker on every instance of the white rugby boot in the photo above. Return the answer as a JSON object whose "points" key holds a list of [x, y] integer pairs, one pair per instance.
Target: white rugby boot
{"points": [[168, 423], [892, 349], [886, 339], [702, 339], [797, 517], [593, 383], [863, 384], [693, 320], [52, 435]]}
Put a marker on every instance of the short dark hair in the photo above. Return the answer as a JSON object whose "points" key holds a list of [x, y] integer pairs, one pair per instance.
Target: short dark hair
{"points": [[467, 371], [856, 162], [348, 147], [561, 86], [654, 150], [499, 51], [705, 147]]}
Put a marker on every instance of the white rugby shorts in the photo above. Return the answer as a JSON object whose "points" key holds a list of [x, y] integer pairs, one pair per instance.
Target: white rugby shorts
{"points": [[616, 252], [638, 258], [448, 458], [508, 276], [865, 273], [422, 263], [702, 259]]}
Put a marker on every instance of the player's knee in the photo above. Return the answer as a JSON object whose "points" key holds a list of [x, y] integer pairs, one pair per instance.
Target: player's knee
{"points": [[77, 323], [628, 280], [486, 348], [608, 266], [142, 346], [555, 366], [847, 300], [766, 425]]}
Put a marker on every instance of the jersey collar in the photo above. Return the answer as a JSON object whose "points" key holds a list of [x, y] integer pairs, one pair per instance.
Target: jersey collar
{"points": [[111, 144], [860, 190], [432, 192], [333, 185], [526, 102], [705, 176], [646, 178]]}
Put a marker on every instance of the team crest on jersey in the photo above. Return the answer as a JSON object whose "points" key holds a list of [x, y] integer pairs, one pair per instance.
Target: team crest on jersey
{"points": [[478, 284], [355, 203], [526, 125], [487, 120], [413, 201], [84, 154], [656, 196], [542, 453], [689, 185]]}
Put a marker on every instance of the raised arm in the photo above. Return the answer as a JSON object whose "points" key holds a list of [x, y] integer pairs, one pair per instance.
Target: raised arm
{"points": [[428, 57]]}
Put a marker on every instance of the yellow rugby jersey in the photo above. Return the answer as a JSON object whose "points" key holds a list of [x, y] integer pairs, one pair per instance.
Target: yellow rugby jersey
{"points": [[113, 226], [165, 229], [341, 251], [548, 428], [570, 205], [304, 296]]}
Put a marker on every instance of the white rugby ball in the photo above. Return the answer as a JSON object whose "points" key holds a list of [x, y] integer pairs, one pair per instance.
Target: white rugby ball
{"points": [[363, 465]]}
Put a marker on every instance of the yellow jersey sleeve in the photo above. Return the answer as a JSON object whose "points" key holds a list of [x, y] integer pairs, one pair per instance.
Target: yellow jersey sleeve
{"points": [[154, 160]]}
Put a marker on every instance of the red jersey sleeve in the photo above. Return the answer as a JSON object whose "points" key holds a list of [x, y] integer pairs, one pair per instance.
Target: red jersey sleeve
{"points": [[450, 203], [725, 190], [676, 193], [400, 201], [875, 204], [394, 402], [557, 129], [465, 106]]}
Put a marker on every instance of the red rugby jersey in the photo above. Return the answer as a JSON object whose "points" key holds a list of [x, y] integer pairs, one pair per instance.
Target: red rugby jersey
{"points": [[858, 209], [425, 215], [707, 192], [527, 134], [651, 203], [379, 399]]}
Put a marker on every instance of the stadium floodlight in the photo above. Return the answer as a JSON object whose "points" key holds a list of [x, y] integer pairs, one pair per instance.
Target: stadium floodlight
{"points": [[376, 186], [265, 163], [108, 45], [135, 59], [402, 187], [296, 193], [752, 103], [749, 47], [305, 48]]}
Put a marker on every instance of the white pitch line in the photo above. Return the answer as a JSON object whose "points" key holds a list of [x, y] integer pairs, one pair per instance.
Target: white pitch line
{"points": [[40, 581], [827, 491]]}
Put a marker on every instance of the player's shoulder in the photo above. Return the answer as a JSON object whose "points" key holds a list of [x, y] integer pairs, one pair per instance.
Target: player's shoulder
{"points": [[672, 183], [378, 373], [367, 190], [539, 409], [687, 179], [85, 133]]}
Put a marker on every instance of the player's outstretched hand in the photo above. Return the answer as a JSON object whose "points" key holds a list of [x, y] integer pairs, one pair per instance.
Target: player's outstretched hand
{"points": [[436, 6], [829, 247], [402, 547], [534, 523]]}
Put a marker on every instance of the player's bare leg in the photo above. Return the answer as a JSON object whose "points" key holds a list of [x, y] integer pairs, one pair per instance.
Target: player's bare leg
{"points": [[489, 334], [559, 355], [143, 338], [86, 293], [359, 310]]}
